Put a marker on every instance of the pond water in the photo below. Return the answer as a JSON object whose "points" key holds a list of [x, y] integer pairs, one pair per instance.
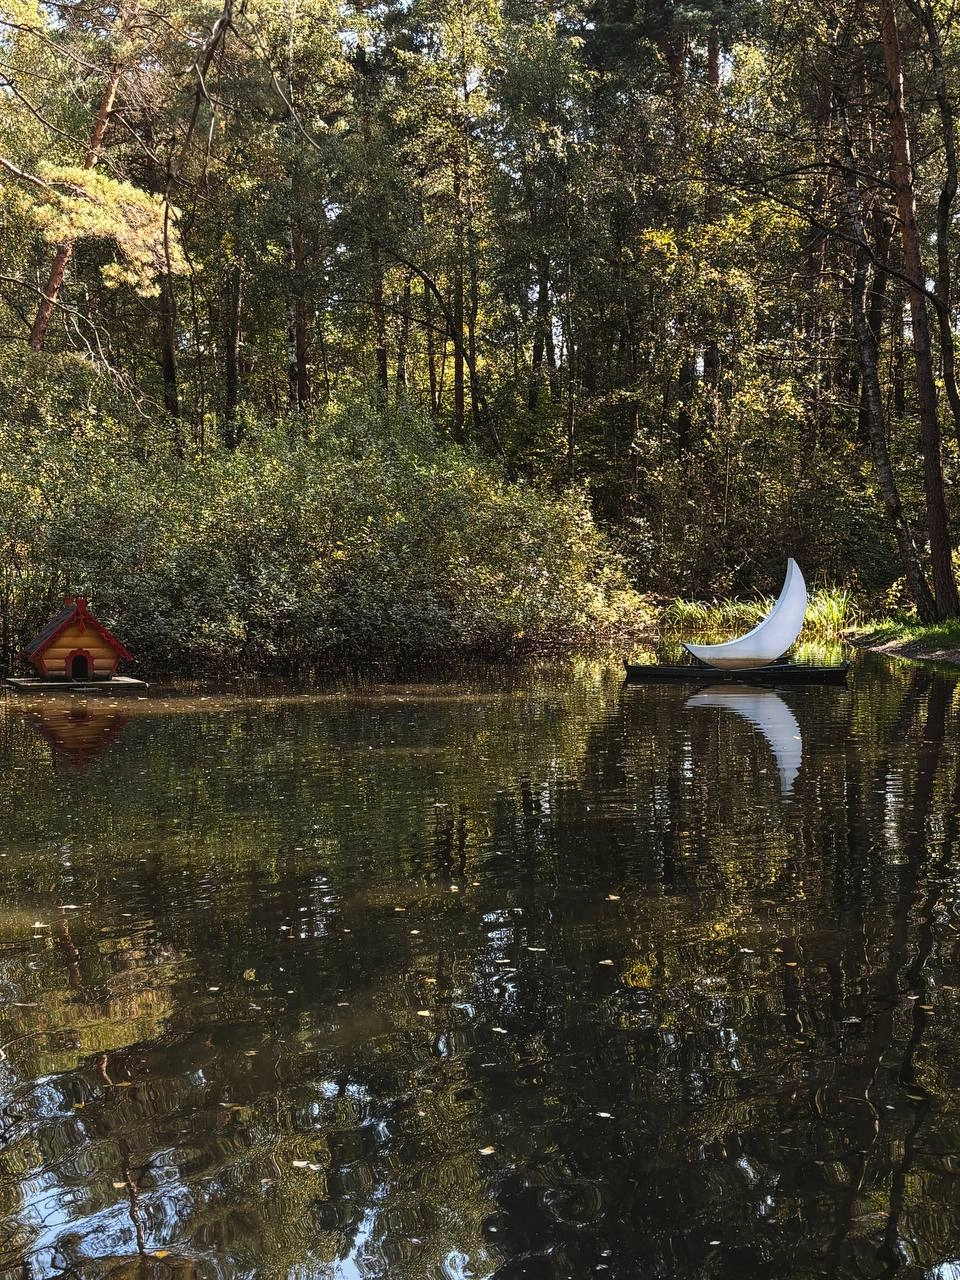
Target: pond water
{"points": [[517, 975]]}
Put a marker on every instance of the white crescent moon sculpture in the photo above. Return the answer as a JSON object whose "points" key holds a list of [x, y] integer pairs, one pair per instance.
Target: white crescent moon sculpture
{"points": [[769, 639], [767, 712]]}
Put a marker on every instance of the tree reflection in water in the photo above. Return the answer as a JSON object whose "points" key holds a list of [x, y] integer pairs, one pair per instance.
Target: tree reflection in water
{"points": [[517, 976]]}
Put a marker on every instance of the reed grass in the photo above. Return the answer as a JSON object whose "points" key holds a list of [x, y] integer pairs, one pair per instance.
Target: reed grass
{"points": [[831, 611]]}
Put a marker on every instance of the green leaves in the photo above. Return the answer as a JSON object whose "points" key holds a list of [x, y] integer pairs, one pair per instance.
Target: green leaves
{"points": [[366, 542], [86, 203]]}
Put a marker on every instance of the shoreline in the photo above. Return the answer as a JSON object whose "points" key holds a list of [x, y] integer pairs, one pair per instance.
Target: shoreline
{"points": [[911, 646]]}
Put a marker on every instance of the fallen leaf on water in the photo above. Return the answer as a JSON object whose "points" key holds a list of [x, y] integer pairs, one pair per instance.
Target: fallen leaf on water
{"points": [[499, 1030], [161, 1253], [119, 1186], [613, 897], [423, 1013], [432, 981], [605, 962], [487, 1151], [414, 930], [249, 975], [605, 1115]]}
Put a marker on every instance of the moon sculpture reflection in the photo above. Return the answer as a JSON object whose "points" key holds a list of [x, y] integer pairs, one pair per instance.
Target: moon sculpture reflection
{"points": [[766, 711], [769, 639]]}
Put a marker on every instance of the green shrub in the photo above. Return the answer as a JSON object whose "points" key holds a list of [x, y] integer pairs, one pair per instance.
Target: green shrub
{"points": [[354, 540]]}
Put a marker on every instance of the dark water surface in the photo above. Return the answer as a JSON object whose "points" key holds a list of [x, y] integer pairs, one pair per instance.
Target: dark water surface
{"points": [[515, 976]]}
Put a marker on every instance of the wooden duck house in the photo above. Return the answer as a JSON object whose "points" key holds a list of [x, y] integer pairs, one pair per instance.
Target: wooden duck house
{"points": [[75, 646]]}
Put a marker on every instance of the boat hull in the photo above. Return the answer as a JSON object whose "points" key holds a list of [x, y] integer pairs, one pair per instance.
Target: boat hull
{"points": [[775, 673]]}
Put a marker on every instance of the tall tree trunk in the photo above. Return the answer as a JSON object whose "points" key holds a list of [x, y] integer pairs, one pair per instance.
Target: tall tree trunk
{"points": [[685, 385], [873, 397], [938, 528], [403, 334], [298, 378], [379, 321], [713, 59], [168, 327], [324, 362], [573, 356], [168, 346], [923, 12], [301, 335], [711, 351], [431, 351], [553, 369], [231, 347], [298, 383], [64, 252], [473, 282], [876, 295], [541, 324], [293, 367], [459, 386]]}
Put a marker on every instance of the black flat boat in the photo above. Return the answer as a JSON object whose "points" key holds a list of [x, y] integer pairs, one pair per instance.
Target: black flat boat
{"points": [[774, 673]]}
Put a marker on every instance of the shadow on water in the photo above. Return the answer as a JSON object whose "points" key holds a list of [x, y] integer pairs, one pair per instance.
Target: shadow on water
{"points": [[529, 977]]}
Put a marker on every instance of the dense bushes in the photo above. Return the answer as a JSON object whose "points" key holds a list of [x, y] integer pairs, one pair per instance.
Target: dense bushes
{"points": [[350, 539]]}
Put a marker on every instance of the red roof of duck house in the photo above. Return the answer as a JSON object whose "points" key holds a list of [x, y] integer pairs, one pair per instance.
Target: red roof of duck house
{"points": [[74, 610]]}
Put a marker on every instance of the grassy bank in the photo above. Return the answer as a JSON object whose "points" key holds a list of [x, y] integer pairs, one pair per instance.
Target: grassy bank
{"points": [[350, 539], [902, 636]]}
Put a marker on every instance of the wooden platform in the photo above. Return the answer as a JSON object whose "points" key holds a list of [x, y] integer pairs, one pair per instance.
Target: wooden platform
{"points": [[114, 686], [774, 673]]}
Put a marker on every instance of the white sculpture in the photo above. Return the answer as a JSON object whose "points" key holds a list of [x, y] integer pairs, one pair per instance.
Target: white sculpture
{"points": [[769, 639]]}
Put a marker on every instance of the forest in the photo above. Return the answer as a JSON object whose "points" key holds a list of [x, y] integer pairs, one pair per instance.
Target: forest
{"points": [[466, 326]]}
